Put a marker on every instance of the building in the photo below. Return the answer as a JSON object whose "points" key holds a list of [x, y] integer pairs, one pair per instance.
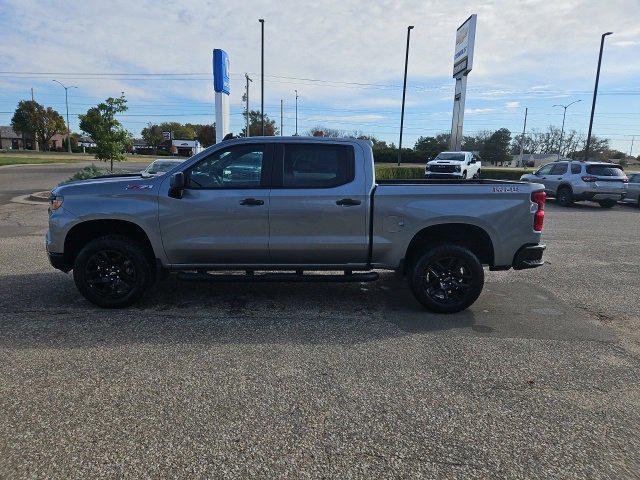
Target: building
{"points": [[185, 148], [11, 140]]}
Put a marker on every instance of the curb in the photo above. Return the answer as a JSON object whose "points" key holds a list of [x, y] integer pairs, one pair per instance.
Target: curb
{"points": [[36, 198]]}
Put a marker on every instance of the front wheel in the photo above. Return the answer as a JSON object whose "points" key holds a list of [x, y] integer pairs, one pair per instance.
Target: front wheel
{"points": [[564, 197], [112, 271], [447, 278]]}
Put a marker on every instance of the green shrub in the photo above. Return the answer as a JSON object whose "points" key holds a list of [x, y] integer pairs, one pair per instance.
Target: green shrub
{"points": [[503, 173], [391, 173], [390, 155], [91, 172]]}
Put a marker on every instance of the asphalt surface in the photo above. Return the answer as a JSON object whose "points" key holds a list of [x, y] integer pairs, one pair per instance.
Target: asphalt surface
{"points": [[538, 379]]}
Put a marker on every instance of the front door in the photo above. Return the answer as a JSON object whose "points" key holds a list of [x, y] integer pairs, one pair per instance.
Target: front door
{"points": [[318, 205], [223, 216]]}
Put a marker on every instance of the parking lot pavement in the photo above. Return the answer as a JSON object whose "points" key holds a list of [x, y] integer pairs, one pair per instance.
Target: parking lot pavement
{"points": [[538, 379]]}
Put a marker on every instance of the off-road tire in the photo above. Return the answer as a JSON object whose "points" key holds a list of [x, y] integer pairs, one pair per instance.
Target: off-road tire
{"points": [[426, 280], [113, 271], [564, 197]]}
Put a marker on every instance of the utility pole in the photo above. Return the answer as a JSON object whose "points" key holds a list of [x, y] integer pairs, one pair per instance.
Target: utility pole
{"points": [[404, 92], [261, 20], [296, 112], [246, 76], [524, 129], [32, 94], [66, 101], [595, 94], [631, 149], [562, 131], [281, 102]]}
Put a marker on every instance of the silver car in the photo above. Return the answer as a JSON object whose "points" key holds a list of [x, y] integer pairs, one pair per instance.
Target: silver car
{"points": [[633, 190], [575, 181]]}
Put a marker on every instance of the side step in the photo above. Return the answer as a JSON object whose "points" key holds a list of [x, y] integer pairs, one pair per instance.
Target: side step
{"points": [[277, 277]]}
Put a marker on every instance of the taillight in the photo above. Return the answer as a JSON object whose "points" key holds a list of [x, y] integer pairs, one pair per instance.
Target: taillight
{"points": [[589, 178], [538, 218]]}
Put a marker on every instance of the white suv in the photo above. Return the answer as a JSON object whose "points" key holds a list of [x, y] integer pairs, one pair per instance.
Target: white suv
{"points": [[458, 165], [575, 181]]}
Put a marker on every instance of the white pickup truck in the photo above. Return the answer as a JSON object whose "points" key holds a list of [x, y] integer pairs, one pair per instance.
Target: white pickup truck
{"points": [[453, 165], [277, 208]]}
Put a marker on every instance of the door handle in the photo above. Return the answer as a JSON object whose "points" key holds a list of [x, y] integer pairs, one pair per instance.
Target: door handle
{"points": [[544, 178], [251, 201], [348, 202]]}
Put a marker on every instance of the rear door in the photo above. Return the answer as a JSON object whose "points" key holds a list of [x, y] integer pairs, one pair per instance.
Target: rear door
{"points": [[318, 204]]}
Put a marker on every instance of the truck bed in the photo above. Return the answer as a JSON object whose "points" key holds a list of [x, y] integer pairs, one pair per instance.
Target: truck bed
{"points": [[424, 181]]}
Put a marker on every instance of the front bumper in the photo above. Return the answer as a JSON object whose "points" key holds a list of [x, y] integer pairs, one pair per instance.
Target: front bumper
{"points": [[443, 176], [59, 262], [529, 256]]}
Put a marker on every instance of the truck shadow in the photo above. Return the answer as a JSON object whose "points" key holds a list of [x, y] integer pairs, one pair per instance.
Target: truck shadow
{"points": [[45, 309]]}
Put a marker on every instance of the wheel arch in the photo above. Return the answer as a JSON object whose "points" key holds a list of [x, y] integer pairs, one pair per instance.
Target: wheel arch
{"points": [[471, 236], [82, 233]]}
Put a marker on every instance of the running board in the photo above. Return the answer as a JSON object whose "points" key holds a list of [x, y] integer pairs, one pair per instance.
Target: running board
{"points": [[277, 277]]}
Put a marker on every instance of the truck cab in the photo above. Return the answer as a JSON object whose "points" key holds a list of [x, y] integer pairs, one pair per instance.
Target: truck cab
{"points": [[453, 165]]}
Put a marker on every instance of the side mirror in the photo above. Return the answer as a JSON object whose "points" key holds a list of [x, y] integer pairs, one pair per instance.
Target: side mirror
{"points": [[176, 186]]}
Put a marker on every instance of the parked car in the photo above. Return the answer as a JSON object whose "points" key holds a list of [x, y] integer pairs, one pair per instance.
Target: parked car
{"points": [[576, 181], [453, 165], [160, 166], [633, 190], [307, 204]]}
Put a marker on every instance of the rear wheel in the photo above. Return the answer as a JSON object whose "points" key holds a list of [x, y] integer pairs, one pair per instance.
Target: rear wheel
{"points": [[564, 196], [607, 203], [112, 271], [446, 278]]}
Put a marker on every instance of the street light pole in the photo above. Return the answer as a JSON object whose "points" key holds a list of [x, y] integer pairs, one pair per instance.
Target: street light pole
{"points": [[246, 76], [261, 20], [595, 94], [524, 131], [296, 112], [66, 101], [562, 131], [404, 92], [281, 115]]}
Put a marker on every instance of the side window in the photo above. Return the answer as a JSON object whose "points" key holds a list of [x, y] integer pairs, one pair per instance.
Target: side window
{"points": [[234, 167], [546, 170], [575, 168], [317, 165], [559, 169]]}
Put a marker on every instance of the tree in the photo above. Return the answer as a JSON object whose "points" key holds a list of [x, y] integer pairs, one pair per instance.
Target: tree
{"points": [[205, 134], [432, 146], [475, 143], [178, 130], [255, 125], [152, 134], [100, 123], [496, 148], [37, 121]]}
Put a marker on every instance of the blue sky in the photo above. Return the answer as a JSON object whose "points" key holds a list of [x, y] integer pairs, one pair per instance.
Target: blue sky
{"points": [[345, 59]]}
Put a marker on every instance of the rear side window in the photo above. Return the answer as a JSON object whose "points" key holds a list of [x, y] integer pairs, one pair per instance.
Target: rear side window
{"points": [[575, 168], [559, 169], [605, 170], [317, 165]]}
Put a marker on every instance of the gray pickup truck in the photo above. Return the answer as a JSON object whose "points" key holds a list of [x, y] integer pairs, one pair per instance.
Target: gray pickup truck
{"points": [[291, 209]]}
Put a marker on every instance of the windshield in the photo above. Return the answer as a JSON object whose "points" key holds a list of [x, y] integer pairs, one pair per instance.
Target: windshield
{"points": [[605, 170], [451, 156], [161, 166]]}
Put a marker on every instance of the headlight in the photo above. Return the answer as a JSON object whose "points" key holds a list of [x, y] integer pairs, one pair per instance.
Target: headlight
{"points": [[426, 169], [458, 168], [55, 202]]}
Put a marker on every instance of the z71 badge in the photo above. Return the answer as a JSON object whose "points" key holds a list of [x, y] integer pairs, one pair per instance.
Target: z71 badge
{"points": [[134, 186], [506, 189]]}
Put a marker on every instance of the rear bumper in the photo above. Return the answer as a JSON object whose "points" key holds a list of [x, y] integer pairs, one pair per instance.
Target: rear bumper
{"points": [[529, 256], [596, 195]]}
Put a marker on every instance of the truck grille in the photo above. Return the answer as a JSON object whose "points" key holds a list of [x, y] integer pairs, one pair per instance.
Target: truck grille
{"points": [[442, 168]]}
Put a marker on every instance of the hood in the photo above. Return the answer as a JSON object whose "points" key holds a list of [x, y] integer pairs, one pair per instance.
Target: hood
{"points": [[107, 183], [446, 162]]}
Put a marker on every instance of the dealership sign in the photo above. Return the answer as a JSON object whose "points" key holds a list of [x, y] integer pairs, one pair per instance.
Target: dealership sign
{"points": [[463, 52], [221, 81]]}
